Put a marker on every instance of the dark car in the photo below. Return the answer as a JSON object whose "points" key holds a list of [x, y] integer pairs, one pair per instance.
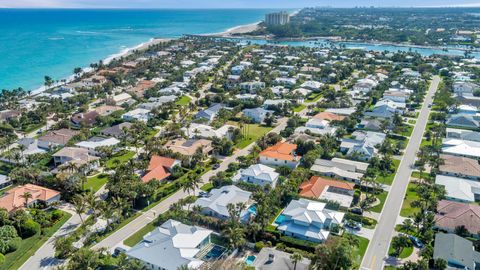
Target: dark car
{"points": [[353, 225], [216, 166], [118, 251], [357, 210], [416, 242]]}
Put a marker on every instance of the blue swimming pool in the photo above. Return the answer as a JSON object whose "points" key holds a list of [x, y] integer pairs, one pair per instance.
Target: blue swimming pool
{"points": [[250, 259], [252, 209], [280, 219], [214, 253]]}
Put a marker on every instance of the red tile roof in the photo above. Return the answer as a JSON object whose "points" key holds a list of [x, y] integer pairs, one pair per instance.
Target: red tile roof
{"points": [[329, 116], [453, 214], [13, 199], [282, 151], [158, 168], [314, 187]]}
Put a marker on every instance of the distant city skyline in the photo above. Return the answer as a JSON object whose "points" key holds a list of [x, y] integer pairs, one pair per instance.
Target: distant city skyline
{"points": [[229, 4]]}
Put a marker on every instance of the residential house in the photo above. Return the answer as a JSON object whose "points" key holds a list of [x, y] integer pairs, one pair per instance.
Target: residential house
{"points": [[120, 99], [308, 220], [329, 116], [160, 168], [465, 87], [464, 120], [215, 203], [210, 113], [95, 143], [328, 190], [258, 174], [106, 110], [7, 115], [362, 145], [189, 147], [288, 82], [142, 115], [467, 99], [252, 87], [195, 130], [117, 131], [317, 126], [458, 252], [13, 199], [171, 246], [342, 111], [312, 85], [258, 115], [460, 167], [365, 85], [462, 134], [142, 86], [340, 168], [459, 189], [56, 138], [76, 155], [461, 148], [371, 125], [85, 119], [280, 154], [30, 146], [273, 259], [451, 215]]}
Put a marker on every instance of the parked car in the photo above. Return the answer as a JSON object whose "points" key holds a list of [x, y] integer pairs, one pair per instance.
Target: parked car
{"points": [[357, 210], [416, 242], [353, 225], [117, 251], [216, 166]]}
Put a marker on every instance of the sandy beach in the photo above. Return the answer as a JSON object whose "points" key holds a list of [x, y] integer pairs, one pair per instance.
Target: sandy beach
{"points": [[237, 30], [123, 53]]}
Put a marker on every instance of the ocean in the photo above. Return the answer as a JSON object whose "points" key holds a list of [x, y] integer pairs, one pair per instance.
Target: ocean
{"points": [[39, 42]]}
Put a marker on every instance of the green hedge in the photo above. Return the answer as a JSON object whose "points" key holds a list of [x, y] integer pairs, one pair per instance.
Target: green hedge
{"points": [[364, 220], [298, 243]]}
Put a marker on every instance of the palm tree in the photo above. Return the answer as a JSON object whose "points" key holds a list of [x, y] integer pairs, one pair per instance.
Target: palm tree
{"points": [[79, 206], [26, 196], [296, 257], [92, 203]]}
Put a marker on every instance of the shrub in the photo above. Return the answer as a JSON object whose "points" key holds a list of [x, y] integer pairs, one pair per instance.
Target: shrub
{"points": [[56, 215], [364, 220], [29, 228], [298, 243], [259, 246], [2, 258]]}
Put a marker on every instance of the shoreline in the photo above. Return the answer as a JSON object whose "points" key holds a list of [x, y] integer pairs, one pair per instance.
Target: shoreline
{"points": [[123, 53]]}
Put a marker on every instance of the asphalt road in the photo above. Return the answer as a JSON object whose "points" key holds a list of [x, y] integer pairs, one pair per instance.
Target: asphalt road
{"points": [[116, 239], [378, 248]]}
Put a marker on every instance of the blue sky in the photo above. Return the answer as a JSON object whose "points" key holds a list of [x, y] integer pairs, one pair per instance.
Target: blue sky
{"points": [[226, 3]]}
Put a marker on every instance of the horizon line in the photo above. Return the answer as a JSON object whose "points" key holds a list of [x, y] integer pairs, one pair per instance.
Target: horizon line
{"points": [[244, 8]]}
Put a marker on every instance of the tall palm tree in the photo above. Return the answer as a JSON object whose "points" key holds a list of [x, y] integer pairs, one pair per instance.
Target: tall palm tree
{"points": [[296, 257], [26, 196], [79, 205]]}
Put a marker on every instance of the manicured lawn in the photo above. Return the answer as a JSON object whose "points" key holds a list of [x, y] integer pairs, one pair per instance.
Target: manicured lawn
{"points": [[121, 159], [411, 121], [360, 250], [207, 187], [417, 175], [30, 245], [406, 252], [411, 196], [406, 130], [389, 178], [183, 101], [299, 108], [253, 132], [314, 97], [96, 182], [138, 236], [378, 208]]}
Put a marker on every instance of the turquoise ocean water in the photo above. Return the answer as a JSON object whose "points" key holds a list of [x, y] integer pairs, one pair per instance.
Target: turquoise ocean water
{"points": [[35, 43]]}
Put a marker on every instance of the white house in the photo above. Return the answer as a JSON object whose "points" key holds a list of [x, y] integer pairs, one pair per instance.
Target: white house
{"points": [[171, 246], [308, 220], [463, 148], [94, 143], [258, 115], [280, 154], [317, 126], [363, 144], [459, 189], [203, 131], [465, 87], [215, 203], [139, 114], [258, 174], [365, 85]]}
